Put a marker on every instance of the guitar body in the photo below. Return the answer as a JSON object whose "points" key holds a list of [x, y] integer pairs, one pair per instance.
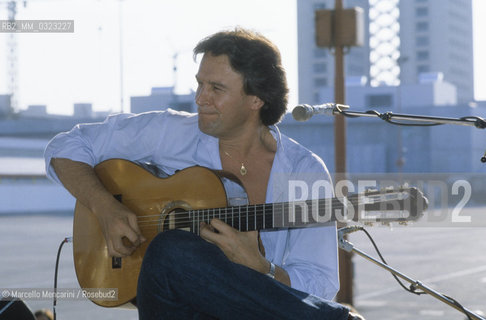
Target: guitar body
{"points": [[149, 197]]}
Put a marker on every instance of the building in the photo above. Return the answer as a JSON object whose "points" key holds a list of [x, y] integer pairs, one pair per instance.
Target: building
{"points": [[435, 36], [316, 65], [161, 98], [431, 90]]}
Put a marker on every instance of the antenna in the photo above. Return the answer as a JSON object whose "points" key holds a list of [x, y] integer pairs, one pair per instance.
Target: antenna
{"points": [[174, 71], [12, 57]]}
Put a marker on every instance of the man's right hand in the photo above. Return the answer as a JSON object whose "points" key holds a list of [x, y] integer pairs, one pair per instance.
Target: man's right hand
{"points": [[118, 225], [117, 222]]}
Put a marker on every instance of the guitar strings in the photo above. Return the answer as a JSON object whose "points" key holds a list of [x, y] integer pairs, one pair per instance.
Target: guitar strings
{"points": [[256, 207], [258, 211]]}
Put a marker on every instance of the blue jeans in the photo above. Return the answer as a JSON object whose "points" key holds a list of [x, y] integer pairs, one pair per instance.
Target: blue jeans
{"points": [[185, 277]]}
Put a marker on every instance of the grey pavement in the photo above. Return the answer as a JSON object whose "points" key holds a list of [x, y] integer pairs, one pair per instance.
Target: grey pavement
{"points": [[451, 260]]}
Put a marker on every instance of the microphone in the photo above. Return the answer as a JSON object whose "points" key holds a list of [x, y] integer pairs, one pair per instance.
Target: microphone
{"points": [[304, 112]]}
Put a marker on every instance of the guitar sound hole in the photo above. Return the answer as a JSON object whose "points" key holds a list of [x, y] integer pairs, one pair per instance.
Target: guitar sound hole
{"points": [[177, 219]]}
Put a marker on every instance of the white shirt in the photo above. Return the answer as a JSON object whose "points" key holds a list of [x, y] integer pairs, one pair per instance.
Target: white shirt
{"points": [[173, 141]]}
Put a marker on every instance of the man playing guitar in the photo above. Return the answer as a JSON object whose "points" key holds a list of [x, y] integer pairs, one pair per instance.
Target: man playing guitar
{"points": [[223, 273]]}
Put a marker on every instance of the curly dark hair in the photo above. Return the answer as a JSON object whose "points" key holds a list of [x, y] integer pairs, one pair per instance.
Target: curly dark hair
{"points": [[258, 60]]}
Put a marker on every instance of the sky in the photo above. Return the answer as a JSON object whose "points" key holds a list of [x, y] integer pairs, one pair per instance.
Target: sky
{"points": [[59, 70]]}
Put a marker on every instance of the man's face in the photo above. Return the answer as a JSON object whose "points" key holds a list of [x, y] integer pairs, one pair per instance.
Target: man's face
{"points": [[223, 106]]}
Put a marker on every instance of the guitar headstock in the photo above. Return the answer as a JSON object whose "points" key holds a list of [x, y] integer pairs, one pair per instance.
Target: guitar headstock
{"points": [[390, 204]]}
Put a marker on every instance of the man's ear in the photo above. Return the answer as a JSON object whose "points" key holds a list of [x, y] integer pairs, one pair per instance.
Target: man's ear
{"points": [[256, 103]]}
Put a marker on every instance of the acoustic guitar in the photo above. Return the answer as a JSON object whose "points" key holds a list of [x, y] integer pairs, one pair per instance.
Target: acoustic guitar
{"points": [[195, 194]]}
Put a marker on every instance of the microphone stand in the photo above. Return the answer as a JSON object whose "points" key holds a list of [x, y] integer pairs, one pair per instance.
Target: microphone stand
{"points": [[478, 122], [414, 120], [349, 247]]}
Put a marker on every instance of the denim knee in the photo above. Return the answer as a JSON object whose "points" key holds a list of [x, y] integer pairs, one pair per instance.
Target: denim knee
{"points": [[170, 247], [170, 250]]}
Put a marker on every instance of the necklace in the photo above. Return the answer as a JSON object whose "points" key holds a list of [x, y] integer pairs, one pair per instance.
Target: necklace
{"points": [[243, 170]]}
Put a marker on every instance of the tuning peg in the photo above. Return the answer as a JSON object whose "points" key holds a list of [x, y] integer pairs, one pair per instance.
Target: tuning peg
{"points": [[388, 189], [370, 190]]}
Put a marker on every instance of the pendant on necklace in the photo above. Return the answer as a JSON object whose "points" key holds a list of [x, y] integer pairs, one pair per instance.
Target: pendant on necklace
{"points": [[243, 170]]}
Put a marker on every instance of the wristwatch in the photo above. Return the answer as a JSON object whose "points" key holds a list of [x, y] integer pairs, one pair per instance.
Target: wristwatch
{"points": [[271, 273]]}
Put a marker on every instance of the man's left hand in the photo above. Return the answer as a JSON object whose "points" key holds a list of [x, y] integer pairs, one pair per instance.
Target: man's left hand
{"points": [[239, 247]]}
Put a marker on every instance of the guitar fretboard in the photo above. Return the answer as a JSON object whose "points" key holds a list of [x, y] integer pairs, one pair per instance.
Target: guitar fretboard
{"points": [[242, 218], [301, 213], [268, 216]]}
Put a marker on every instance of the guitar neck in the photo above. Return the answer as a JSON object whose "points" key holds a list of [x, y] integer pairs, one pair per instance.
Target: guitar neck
{"points": [[268, 216], [374, 206]]}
